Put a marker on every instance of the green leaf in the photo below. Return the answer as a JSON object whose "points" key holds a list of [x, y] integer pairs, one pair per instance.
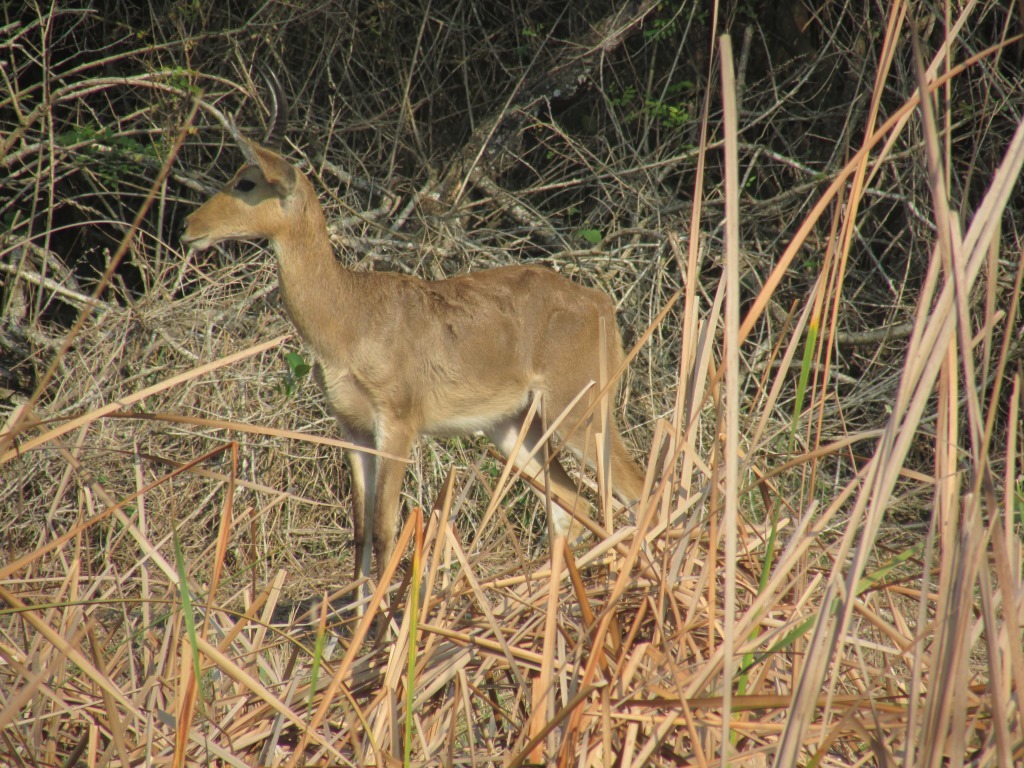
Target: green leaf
{"points": [[187, 614], [296, 364]]}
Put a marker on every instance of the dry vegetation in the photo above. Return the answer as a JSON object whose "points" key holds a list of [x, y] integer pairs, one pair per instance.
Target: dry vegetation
{"points": [[820, 280]]}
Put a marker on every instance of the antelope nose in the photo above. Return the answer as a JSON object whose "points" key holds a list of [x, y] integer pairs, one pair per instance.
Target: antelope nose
{"points": [[183, 231], [187, 242]]}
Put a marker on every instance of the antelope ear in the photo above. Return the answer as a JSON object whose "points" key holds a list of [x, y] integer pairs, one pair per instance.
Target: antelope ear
{"points": [[278, 172]]}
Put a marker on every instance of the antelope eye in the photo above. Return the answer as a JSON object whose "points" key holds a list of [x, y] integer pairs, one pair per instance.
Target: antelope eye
{"points": [[245, 185]]}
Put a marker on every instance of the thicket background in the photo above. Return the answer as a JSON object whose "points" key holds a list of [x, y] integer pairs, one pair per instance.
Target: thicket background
{"points": [[453, 136]]}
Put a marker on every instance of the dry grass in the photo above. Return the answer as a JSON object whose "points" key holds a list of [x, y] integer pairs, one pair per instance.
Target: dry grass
{"points": [[826, 568]]}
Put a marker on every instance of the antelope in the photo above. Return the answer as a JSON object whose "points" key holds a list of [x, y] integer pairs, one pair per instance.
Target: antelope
{"points": [[398, 357]]}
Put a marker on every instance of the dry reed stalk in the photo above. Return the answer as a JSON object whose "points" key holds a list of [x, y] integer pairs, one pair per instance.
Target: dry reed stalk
{"points": [[751, 608]]}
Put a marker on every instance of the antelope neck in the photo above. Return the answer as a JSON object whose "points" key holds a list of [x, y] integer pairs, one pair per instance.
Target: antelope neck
{"points": [[319, 294]]}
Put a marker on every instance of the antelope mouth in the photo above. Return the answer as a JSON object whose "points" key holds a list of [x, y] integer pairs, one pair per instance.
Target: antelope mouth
{"points": [[196, 242]]}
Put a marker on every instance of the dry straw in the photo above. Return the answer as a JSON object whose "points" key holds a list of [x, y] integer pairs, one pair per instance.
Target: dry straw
{"points": [[756, 607]]}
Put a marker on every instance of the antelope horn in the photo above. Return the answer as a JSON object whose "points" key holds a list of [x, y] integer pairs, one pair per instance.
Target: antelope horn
{"points": [[278, 123]]}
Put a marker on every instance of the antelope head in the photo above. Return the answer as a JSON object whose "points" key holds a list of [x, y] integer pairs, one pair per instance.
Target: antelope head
{"points": [[257, 203]]}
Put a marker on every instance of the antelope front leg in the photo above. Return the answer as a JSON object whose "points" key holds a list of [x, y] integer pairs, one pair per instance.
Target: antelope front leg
{"points": [[364, 487], [396, 440], [363, 475]]}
